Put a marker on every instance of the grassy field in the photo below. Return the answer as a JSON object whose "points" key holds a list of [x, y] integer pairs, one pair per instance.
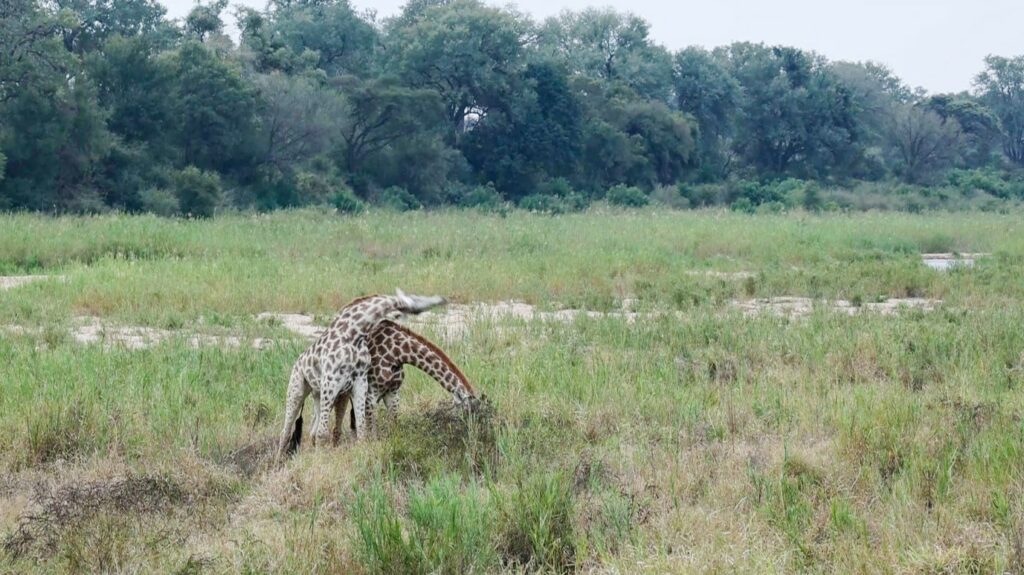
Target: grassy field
{"points": [[701, 441]]}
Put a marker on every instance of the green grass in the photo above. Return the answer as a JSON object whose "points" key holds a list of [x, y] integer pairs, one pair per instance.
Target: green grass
{"points": [[709, 443]]}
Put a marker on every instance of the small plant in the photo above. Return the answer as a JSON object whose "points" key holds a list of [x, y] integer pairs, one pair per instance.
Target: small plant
{"points": [[627, 196]]}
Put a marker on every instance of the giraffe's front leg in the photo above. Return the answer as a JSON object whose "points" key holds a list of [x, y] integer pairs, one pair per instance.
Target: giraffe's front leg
{"points": [[391, 400], [360, 393]]}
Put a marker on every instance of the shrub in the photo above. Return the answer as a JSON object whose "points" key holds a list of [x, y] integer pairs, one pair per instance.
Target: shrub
{"points": [[703, 195], [399, 199], [482, 197], [543, 204], [571, 200], [346, 202], [159, 201], [558, 187], [314, 188], [199, 193], [743, 205], [627, 196], [670, 197]]}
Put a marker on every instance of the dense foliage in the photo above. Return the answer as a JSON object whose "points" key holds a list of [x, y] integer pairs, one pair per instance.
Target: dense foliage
{"points": [[108, 104]]}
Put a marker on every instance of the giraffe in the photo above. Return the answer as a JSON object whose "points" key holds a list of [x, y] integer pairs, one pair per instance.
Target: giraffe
{"points": [[393, 346], [339, 361]]}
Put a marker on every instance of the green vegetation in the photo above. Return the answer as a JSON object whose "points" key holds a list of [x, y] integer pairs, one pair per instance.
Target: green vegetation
{"points": [[707, 441], [111, 106]]}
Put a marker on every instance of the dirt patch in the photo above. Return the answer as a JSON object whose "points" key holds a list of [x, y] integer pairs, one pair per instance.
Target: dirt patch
{"points": [[802, 306], [297, 323], [92, 330], [11, 282]]}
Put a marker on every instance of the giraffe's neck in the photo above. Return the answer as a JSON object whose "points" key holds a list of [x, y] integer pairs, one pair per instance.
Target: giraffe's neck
{"points": [[427, 357]]}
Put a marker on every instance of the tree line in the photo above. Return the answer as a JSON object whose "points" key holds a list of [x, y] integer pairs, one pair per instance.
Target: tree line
{"points": [[109, 104]]}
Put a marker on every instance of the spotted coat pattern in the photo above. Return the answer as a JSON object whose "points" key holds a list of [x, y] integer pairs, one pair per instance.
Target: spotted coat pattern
{"points": [[392, 347], [339, 361]]}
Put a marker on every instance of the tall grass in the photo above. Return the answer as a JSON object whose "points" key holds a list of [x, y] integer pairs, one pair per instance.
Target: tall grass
{"points": [[710, 442]]}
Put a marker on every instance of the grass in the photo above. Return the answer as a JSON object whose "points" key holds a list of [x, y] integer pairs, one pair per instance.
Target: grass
{"points": [[711, 443]]}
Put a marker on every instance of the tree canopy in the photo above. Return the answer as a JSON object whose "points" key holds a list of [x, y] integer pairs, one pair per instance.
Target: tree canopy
{"points": [[109, 104]]}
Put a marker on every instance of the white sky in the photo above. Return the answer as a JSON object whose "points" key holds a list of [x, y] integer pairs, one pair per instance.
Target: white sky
{"points": [[937, 44]]}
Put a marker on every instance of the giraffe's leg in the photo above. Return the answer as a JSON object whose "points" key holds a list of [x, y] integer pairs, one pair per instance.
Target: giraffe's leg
{"points": [[391, 397], [297, 391], [360, 391], [391, 400], [340, 407], [332, 386]]}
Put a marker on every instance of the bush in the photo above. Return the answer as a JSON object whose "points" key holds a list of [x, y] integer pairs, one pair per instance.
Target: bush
{"points": [[399, 199], [670, 197], [743, 205], [544, 204], [315, 189], [703, 195], [754, 192], [627, 196], [159, 201], [199, 193], [482, 197], [346, 202]]}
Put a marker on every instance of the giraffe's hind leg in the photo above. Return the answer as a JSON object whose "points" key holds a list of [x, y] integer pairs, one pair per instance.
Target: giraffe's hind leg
{"points": [[297, 391], [340, 407]]}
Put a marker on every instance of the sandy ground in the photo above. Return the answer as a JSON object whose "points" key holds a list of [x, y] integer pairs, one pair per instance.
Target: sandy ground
{"points": [[11, 282], [454, 321]]}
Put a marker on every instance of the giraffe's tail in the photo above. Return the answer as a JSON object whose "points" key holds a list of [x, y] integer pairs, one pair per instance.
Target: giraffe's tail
{"points": [[417, 303]]}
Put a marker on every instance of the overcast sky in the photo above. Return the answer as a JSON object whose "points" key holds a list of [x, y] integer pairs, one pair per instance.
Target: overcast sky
{"points": [[937, 44]]}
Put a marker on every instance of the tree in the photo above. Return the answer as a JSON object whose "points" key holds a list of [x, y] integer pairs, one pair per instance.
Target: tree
{"points": [[796, 118], [298, 120], [467, 52], [610, 46], [380, 112], [921, 144], [707, 91], [204, 19], [1001, 87], [53, 133], [97, 21], [539, 137], [215, 110], [979, 126], [297, 37]]}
